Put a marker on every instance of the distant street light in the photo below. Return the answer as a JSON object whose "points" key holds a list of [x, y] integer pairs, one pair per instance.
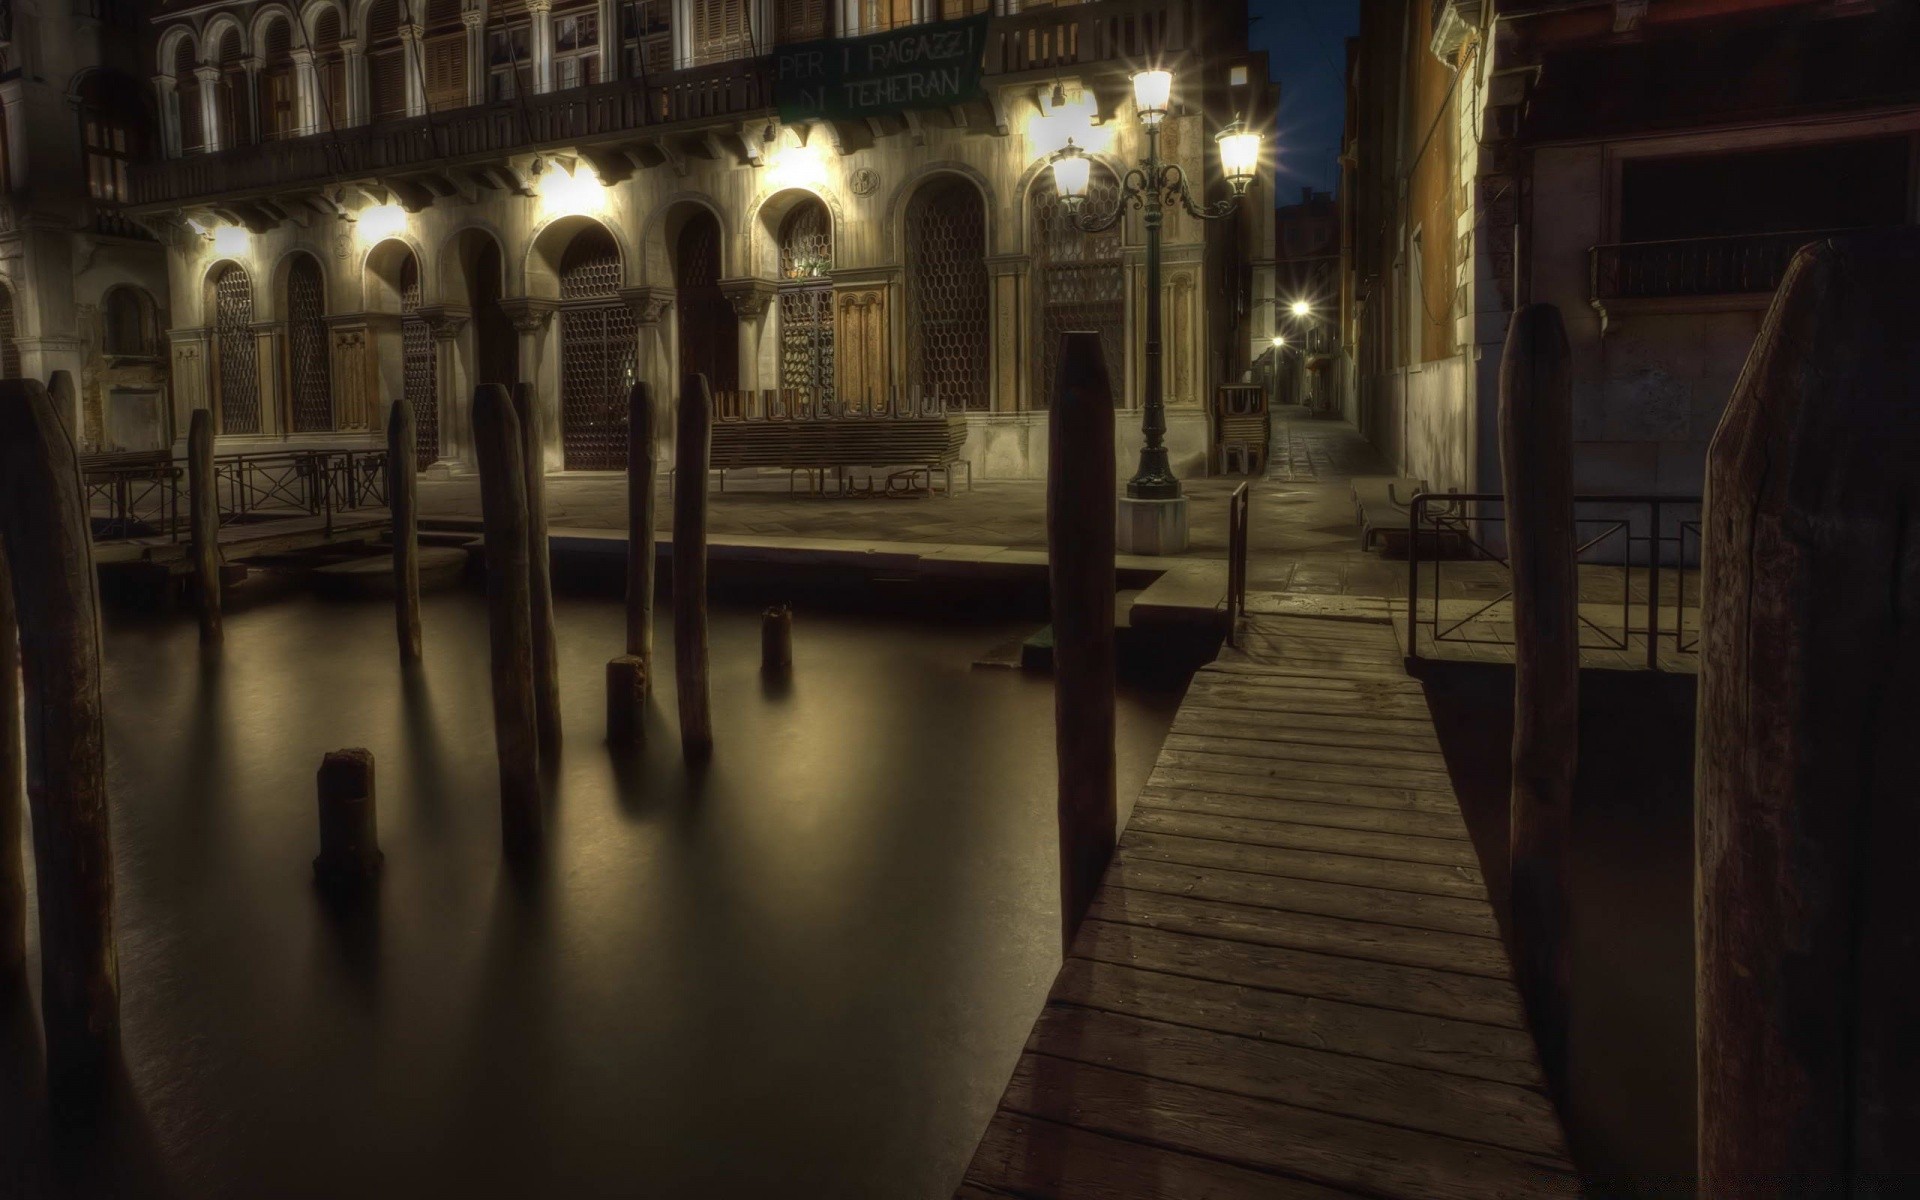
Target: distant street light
{"points": [[1301, 308], [1152, 187]]}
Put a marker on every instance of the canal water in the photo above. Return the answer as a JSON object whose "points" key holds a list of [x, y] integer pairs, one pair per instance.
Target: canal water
{"points": [[804, 971]]}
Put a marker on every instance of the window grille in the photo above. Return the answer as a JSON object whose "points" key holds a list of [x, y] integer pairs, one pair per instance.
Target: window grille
{"points": [[308, 361], [418, 367], [948, 351], [235, 353], [806, 302], [597, 344], [709, 340], [1080, 281]]}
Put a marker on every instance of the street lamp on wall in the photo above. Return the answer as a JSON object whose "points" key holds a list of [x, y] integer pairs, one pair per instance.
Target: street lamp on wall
{"points": [[1152, 187]]}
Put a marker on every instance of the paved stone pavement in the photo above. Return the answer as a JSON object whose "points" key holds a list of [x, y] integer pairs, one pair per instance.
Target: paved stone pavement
{"points": [[1303, 538]]}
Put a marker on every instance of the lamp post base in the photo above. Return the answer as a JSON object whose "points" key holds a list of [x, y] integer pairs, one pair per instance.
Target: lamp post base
{"points": [[1152, 526]]}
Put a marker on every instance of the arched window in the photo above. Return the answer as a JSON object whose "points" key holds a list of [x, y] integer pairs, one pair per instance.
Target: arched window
{"points": [[128, 327], [949, 354], [419, 379], [113, 130], [709, 341], [235, 354], [309, 362], [386, 62], [235, 105], [9, 336], [186, 86], [329, 72], [806, 304], [444, 55], [597, 341], [1079, 280], [509, 50], [277, 88]]}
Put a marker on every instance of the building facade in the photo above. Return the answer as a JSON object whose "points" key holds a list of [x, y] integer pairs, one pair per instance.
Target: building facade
{"points": [[1647, 166], [363, 200], [82, 287]]}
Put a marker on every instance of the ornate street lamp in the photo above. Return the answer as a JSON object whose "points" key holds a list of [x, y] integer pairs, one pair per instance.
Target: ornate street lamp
{"points": [[1151, 187]]}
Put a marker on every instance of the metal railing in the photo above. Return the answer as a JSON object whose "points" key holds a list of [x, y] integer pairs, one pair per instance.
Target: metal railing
{"points": [[146, 497], [1239, 511], [1707, 266], [611, 112], [1629, 542]]}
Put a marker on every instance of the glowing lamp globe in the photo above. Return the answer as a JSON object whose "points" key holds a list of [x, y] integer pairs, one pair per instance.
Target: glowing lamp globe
{"points": [[1071, 171], [1239, 156], [1152, 93]]}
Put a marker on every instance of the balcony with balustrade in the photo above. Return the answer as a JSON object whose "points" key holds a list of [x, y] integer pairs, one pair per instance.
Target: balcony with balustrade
{"points": [[711, 111]]}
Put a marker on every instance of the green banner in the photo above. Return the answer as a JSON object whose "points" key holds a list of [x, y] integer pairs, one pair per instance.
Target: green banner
{"points": [[920, 66]]}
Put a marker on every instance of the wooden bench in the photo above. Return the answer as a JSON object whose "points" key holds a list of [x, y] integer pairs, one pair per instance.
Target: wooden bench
{"points": [[794, 441]]}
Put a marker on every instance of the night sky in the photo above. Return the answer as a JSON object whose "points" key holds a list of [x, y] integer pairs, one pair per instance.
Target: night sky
{"points": [[1306, 42]]}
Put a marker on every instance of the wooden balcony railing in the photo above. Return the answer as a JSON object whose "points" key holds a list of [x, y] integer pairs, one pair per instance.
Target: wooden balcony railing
{"points": [[1709, 266], [1037, 39]]}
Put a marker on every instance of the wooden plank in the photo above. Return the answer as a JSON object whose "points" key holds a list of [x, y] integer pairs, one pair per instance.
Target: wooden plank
{"points": [[1367, 940], [1307, 768], [1270, 673], [1304, 812], [1033, 1157], [1337, 1151], [1254, 698], [1294, 750], [1468, 998], [1317, 728], [1362, 843], [1425, 878], [1368, 795], [1473, 1110], [1445, 913]]}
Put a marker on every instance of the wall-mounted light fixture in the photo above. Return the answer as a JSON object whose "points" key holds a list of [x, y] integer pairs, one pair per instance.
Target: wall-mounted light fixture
{"points": [[571, 191], [380, 222], [231, 239]]}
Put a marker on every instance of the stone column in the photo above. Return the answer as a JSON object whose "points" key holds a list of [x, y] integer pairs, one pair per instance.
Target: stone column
{"points": [[610, 40], [453, 385], [652, 363], [410, 55], [306, 92], [354, 80], [169, 109], [475, 23], [257, 132], [268, 338], [541, 14], [532, 317], [751, 298], [209, 78]]}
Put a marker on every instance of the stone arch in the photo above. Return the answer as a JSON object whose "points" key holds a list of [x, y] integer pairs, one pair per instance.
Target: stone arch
{"points": [[301, 287], [164, 58], [235, 351], [313, 10], [265, 14], [207, 279], [473, 274], [129, 321], [213, 37], [948, 293], [381, 272], [895, 232], [663, 225], [540, 270], [1031, 178], [765, 216]]}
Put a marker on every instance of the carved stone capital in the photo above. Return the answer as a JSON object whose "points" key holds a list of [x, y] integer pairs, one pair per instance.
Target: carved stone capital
{"points": [[749, 297], [444, 321], [529, 314], [647, 304]]}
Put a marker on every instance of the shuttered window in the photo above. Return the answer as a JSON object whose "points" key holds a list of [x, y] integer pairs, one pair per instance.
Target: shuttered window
{"points": [[186, 86], [386, 68], [720, 30], [801, 20], [236, 109], [446, 56], [330, 70], [279, 110]]}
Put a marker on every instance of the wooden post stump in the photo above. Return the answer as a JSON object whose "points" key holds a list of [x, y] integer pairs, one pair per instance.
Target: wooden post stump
{"points": [[403, 502], [1080, 552], [49, 546], [693, 446], [1806, 818], [546, 653], [349, 825], [626, 698], [640, 552], [13, 785], [503, 509], [776, 638], [203, 517], [1536, 461]]}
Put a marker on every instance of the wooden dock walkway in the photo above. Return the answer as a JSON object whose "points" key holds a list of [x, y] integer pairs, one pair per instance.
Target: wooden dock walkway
{"points": [[1291, 983]]}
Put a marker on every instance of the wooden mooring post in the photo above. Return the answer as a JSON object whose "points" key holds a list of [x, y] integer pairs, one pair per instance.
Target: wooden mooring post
{"points": [[349, 817], [1806, 818], [203, 524], [403, 503], [503, 511], [49, 545], [640, 554], [546, 652], [13, 785], [1080, 565], [1536, 462], [776, 638], [693, 444]]}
